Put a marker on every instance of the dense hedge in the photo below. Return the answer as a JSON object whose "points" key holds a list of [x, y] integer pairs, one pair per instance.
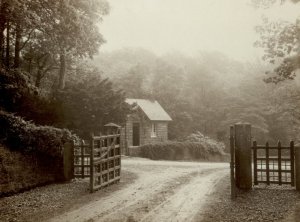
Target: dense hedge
{"points": [[21, 135], [180, 151], [23, 171], [195, 147]]}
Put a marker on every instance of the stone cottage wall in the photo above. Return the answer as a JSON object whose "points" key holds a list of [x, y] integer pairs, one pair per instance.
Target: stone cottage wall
{"points": [[161, 132], [145, 130]]}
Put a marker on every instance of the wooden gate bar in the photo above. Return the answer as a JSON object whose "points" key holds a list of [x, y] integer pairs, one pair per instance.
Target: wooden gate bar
{"points": [[264, 173], [267, 164], [101, 157], [255, 162], [79, 160], [82, 158], [92, 164], [279, 163], [101, 141], [272, 147], [283, 158], [292, 163], [114, 142], [232, 179]]}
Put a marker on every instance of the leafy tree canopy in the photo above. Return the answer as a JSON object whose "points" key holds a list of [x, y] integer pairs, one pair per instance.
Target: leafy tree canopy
{"points": [[281, 43]]}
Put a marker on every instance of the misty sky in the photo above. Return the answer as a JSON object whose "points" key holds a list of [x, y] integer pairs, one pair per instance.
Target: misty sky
{"points": [[188, 26]]}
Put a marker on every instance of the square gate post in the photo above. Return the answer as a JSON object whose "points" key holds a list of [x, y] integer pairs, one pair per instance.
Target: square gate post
{"points": [[297, 167], [243, 156], [68, 159]]}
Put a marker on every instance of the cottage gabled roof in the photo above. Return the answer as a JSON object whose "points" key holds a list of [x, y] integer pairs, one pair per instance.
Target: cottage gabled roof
{"points": [[151, 108], [112, 125]]}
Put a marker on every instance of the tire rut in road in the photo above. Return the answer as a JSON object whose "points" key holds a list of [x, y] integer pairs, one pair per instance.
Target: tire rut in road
{"points": [[187, 201], [159, 186], [147, 199], [142, 189], [148, 209]]}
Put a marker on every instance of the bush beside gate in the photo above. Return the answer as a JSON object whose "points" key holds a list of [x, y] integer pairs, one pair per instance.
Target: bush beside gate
{"points": [[30, 155], [181, 151]]}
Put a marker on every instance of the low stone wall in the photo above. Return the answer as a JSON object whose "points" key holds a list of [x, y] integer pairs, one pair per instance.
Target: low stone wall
{"points": [[22, 171], [134, 151]]}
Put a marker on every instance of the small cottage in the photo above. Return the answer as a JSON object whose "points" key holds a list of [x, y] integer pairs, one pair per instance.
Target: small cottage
{"points": [[148, 123]]}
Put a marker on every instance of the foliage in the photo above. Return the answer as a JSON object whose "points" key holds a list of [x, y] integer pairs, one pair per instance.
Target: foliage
{"points": [[280, 41], [20, 172], [269, 3], [281, 44], [88, 102], [85, 105], [206, 93], [133, 82], [20, 96], [25, 136], [49, 35], [210, 144], [14, 86], [181, 151]]}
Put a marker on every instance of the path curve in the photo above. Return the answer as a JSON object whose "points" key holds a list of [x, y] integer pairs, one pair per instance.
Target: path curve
{"points": [[164, 191]]}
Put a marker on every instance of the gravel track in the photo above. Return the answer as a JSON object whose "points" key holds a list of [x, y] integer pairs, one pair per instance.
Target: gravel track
{"points": [[162, 188], [155, 191], [42, 203]]}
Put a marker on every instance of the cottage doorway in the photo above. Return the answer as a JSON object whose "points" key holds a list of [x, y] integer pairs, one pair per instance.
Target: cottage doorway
{"points": [[136, 134]]}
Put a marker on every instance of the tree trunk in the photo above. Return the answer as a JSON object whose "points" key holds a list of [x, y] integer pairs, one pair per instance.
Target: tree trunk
{"points": [[38, 77], [62, 71], [2, 28], [17, 46], [7, 45], [29, 65], [1, 47]]}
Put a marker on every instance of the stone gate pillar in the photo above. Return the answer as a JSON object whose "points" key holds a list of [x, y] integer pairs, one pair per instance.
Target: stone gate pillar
{"points": [[243, 156], [68, 160]]}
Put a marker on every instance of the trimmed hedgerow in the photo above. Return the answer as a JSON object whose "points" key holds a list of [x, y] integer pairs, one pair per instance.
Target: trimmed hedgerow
{"points": [[178, 151], [196, 147], [24, 136], [23, 171]]}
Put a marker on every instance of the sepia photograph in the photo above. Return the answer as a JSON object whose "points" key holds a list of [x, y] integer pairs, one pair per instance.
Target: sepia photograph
{"points": [[149, 110]]}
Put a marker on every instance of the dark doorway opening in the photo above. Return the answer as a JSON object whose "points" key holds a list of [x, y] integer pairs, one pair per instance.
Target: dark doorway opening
{"points": [[136, 134]]}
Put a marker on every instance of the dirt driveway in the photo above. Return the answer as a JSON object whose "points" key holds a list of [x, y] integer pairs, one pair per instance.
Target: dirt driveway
{"points": [[164, 191]]}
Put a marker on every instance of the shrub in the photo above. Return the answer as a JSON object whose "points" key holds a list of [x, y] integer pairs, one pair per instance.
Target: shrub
{"points": [[25, 136], [207, 142], [180, 151], [88, 104], [20, 96], [14, 88], [195, 147]]}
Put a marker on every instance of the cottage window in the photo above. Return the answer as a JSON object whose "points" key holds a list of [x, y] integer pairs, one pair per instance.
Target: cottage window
{"points": [[153, 130]]}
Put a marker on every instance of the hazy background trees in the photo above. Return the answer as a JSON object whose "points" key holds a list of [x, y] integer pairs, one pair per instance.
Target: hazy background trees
{"points": [[280, 41], [47, 75], [206, 93]]}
